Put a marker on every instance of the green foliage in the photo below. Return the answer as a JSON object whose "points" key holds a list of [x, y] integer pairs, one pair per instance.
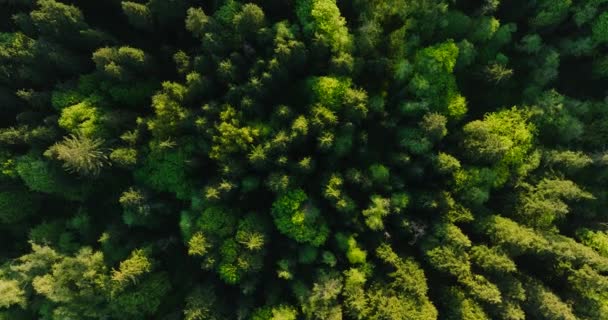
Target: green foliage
{"points": [[504, 138], [551, 12], [57, 20], [139, 15], [120, 63], [16, 205], [143, 302], [600, 28], [169, 114], [321, 20], [354, 253], [297, 218], [79, 154], [39, 176], [329, 92], [83, 118], [131, 269], [597, 240], [11, 294], [433, 79], [540, 205], [542, 302], [377, 210], [307, 159], [166, 170], [402, 298], [125, 157], [379, 174], [459, 306]]}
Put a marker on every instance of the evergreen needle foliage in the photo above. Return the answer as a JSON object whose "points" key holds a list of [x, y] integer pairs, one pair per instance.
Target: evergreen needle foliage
{"points": [[303, 159]]}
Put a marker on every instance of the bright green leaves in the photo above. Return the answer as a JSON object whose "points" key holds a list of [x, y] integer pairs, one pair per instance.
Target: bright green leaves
{"points": [[323, 300], [216, 221], [448, 251], [234, 247], [231, 136], [82, 285], [461, 307], [170, 115], [543, 303], [540, 205], [403, 297], [132, 269], [322, 21], [297, 218], [255, 109], [354, 253], [139, 15], [598, 240], [377, 210], [330, 91], [334, 98], [492, 259], [519, 240], [503, 137], [196, 20], [58, 20], [282, 312], [434, 82], [11, 294], [120, 63], [84, 118], [334, 192], [250, 19]]}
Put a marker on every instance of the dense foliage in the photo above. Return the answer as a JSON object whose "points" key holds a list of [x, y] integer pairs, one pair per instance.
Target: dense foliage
{"points": [[303, 159]]}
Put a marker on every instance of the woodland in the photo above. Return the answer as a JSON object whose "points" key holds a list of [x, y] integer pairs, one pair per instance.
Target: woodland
{"points": [[303, 159]]}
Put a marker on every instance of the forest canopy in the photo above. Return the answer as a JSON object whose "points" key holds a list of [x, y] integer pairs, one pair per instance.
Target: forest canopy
{"points": [[303, 159]]}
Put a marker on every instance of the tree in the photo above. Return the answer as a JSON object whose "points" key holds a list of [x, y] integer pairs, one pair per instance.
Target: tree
{"points": [[58, 21], [196, 21], [167, 170], [544, 203], [131, 270], [250, 19], [17, 204], [404, 297], [139, 15], [600, 28], [329, 91], [121, 63], [504, 138], [321, 20], [80, 154], [542, 302], [459, 306], [550, 13], [434, 82], [598, 240], [377, 210], [323, 300], [354, 253], [84, 118], [38, 175], [296, 217]]}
